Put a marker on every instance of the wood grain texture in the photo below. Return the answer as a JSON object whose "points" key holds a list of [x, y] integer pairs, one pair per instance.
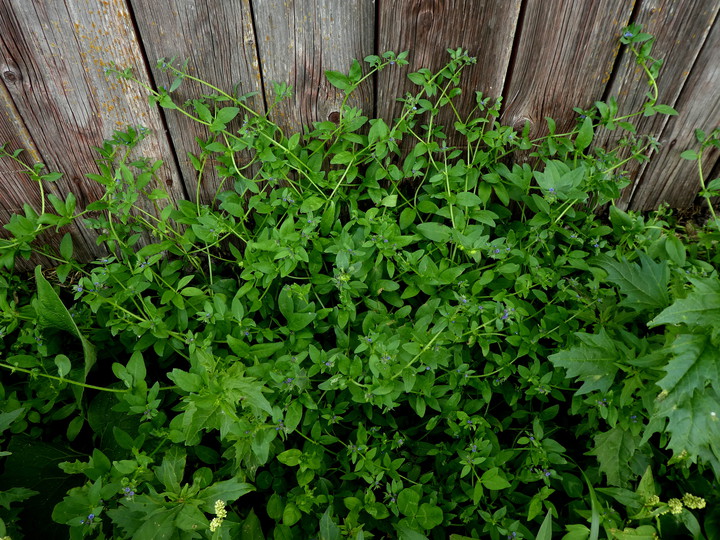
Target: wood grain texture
{"points": [[52, 55], [667, 177], [680, 32], [298, 40], [563, 59], [218, 41], [427, 28]]}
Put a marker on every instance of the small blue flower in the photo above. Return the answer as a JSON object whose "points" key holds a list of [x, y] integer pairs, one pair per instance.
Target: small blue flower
{"points": [[628, 34]]}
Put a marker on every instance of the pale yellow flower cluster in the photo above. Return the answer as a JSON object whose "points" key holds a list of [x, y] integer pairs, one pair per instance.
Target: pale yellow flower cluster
{"points": [[221, 514], [693, 502], [675, 506]]}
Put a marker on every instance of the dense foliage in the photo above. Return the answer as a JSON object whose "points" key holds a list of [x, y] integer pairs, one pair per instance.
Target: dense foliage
{"points": [[380, 330]]}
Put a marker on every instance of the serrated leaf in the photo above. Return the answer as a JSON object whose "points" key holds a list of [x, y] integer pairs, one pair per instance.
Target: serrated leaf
{"points": [[700, 308], [592, 362], [694, 426], [695, 364], [614, 450], [644, 286]]}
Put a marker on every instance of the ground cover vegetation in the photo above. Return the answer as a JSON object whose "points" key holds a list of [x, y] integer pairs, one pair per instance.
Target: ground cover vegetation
{"points": [[371, 331]]}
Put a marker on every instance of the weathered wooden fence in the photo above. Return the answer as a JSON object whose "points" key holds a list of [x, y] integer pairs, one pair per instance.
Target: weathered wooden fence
{"points": [[543, 56]]}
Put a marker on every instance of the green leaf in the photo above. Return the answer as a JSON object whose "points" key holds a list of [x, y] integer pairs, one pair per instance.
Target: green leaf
{"points": [[408, 500], [378, 130], [494, 479], [228, 491], [338, 80], [694, 427], [690, 155], [406, 533], [585, 136], [298, 321], [437, 232], [645, 287], [665, 109], [594, 361], [700, 308], [226, 114], [429, 516], [66, 247], [7, 418], [545, 531], [695, 363], [52, 313], [63, 364], [251, 528], [290, 457], [171, 470], [328, 529], [614, 450], [675, 250]]}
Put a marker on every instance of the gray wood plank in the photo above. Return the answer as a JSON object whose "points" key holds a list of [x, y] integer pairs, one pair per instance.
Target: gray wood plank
{"points": [[427, 28], [564, 58], [218, 41], [667, 177], [58, 50], [299, 40], [680, 29]]}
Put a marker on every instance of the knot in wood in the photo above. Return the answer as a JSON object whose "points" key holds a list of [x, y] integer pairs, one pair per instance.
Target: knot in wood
{"points": [[11, 75], [334, 117]]}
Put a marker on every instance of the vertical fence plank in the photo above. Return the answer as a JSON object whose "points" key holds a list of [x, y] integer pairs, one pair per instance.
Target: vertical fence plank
{"points": [[56, 51], [299, 40], [564, 59], [427, 28], [680, 29], [668, 177], [17, 188], [218, 42]]}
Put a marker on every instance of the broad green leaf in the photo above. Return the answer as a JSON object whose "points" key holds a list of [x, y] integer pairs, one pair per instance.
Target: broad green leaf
{"points": [[7, 418], [429, 516], [695, 363], [15, 494], [227, 491], [328, 529], [700, 308], [437, 232], [694, 426], [52, 313], [66, 247], [545, 531], [251, 528], [226, 114], [406, 533], [593, 362], [408, 500], [298, 321], [171, 470], [338, 80], [290, 457], [494, 479], [614, 450], [644, 286], [585, 136]]}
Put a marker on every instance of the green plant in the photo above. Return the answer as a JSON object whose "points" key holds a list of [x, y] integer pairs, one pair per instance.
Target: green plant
{"points": [[364, 331]]}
